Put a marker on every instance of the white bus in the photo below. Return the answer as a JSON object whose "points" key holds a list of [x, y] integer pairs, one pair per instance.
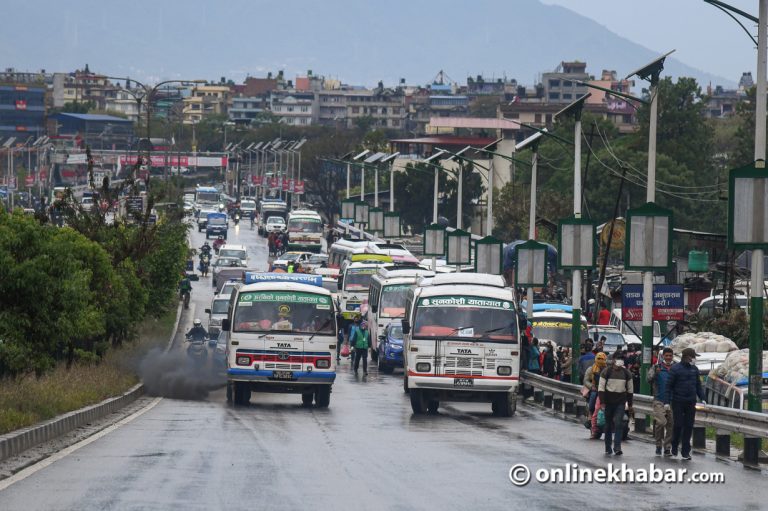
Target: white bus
{"points": [[280, 334], [343, 250], [355, 280], [462, 342], [386, 297], [305, 231]]}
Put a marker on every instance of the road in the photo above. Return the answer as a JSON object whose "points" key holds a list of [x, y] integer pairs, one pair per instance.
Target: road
{"points": [[367, 451]]}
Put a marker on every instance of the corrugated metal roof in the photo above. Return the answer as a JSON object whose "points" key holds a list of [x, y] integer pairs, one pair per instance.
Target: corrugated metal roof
{"points": [[446, 140], [473, 122], [93, 117]]}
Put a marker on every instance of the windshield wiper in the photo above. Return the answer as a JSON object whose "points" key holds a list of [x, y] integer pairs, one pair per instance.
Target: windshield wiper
{"points": [[327, 321], [492, 330]]}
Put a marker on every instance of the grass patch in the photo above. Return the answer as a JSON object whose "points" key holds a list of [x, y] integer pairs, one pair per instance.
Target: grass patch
{"points": [[28, 400], [737, 439]]}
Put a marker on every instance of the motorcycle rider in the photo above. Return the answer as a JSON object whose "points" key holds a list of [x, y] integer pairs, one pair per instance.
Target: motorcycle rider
{"points": [[185, 288], [217, 243], [205, 249], [197, 332]]}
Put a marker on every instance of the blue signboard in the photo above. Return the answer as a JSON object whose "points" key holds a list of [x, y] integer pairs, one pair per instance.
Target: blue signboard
{"points": [[668, 302], [297, 278]]}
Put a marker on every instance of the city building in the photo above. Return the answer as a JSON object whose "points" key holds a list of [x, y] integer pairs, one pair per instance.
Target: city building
{"points": [[385, 107], [294, 107], [95, 130], [22, 105], [332, 106], [560, 85], [206, 100]]}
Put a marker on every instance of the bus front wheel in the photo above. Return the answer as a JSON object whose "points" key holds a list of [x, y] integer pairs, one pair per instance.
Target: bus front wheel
{"points": [[418, 402], [323, 396], [242, 393]]}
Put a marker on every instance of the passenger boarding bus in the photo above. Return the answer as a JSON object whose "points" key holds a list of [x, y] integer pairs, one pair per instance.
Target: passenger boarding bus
{"points": [[305, 231], [207, 195], [280, 334], [386, 297], [462, 342], [355, 280]]}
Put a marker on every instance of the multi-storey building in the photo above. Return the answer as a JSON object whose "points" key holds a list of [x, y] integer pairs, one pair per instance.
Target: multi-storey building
{"points": [[22, 105], [385, 106], [560, 85], [294, 107], [332, 107], [206, 100]]}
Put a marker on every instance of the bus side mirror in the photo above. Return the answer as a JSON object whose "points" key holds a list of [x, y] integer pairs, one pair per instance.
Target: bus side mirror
{"points": [[406, 326], [225, 325], [207, 311], [374, 308]]}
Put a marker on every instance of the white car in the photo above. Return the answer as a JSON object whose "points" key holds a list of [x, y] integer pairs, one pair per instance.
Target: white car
{"points": [[275, 224], [238, 251], [87, 203]]}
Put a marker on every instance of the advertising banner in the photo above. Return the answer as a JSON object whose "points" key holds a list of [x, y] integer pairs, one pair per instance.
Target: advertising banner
{"points": [[668, 303]]}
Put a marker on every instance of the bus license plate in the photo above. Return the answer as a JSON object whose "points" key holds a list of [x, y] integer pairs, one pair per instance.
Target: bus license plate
{"points": [[463, 382], [282, 375]]}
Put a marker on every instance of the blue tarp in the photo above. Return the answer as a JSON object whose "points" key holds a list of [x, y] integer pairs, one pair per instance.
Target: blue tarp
{"points": [[510, 250]]}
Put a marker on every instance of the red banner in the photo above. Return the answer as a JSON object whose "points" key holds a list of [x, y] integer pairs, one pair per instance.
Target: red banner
{"points": [[29, 180], [157, 161], [299, 188], [21, 104], [284, 184], [273, 182], [291, 185], [257, 180]]}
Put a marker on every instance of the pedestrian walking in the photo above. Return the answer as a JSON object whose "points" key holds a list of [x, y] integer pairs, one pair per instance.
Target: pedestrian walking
{"points": [[663, 423], [615, 393], [586, 359], [565, 367], [360, 339], [683, 387], [591, 383]]}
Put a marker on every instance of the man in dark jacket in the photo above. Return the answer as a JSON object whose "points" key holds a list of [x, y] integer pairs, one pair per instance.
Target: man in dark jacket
{"points": [[683, 387], [658, 377], [615, 390]]}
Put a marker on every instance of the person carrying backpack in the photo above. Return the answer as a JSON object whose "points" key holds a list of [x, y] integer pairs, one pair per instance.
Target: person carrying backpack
{"points": [[615, 392]]}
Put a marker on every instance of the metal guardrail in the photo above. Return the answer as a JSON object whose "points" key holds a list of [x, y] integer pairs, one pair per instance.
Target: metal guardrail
{"points": [[752, 425]]}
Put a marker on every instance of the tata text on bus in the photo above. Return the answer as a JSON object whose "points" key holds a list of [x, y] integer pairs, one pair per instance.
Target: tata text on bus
{"points": [[281, 337]]}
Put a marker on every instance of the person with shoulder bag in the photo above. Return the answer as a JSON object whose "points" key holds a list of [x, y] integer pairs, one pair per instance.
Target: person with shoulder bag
{"points": [[360, 339], [658, 377]]}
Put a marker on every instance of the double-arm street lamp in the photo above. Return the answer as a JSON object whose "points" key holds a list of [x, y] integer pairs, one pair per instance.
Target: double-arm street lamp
{"points": [[149, 92]]}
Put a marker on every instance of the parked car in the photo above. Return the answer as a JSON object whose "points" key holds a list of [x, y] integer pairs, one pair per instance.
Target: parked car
{"points": [[390, 347]]}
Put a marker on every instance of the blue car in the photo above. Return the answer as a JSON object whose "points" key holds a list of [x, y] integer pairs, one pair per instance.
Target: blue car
{"points": [[390, 348]]}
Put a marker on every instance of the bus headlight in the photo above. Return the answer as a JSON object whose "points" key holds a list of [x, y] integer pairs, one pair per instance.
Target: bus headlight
{"points": [[243, 361], [423, 367], [504, 371], [323, 363]]}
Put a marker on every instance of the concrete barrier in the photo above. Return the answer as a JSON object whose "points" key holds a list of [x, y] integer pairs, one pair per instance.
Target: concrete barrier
{"points": [[20, 440]]}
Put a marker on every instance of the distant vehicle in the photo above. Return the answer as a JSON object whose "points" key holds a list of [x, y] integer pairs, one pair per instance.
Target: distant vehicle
{"points": [[614, 339], [274, 224], [202, 218], [271, 208], [207, 195], [229, 287], [248, 208], [555, 325], [287, 257], [633, 330], [222, 264], [305, 230], [87, 203], [355, 283], [230, 250], [316, 261], [216, 313], [390, 347], [216, 225], [715, 304]]}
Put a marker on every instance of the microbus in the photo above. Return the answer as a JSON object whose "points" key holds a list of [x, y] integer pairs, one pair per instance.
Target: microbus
{"points": [[355, 280], [305, 231]]}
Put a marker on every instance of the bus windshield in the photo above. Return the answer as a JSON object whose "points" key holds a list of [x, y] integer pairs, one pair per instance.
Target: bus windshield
{"points": [[392, 303], [556, 330], [285, 312], [207, 196], [358, 279], [465, 317], [305, 225]]}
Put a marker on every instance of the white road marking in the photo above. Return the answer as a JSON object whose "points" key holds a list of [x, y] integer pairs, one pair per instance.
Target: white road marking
{"points": [[32, 469]]}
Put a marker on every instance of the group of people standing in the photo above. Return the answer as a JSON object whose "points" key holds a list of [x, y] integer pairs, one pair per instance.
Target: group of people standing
{"points": [[545, 360], [608, 386]]}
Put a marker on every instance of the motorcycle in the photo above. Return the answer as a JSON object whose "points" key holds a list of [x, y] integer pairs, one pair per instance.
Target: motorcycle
{"points": [[197, 348], [237, 218], [205, 262]]}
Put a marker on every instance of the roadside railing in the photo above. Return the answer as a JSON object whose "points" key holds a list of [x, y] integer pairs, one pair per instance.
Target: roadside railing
{"points": [[566, 397]]}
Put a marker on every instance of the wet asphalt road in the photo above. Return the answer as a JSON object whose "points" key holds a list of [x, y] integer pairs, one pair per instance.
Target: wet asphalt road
{"points": [[367, 451]]}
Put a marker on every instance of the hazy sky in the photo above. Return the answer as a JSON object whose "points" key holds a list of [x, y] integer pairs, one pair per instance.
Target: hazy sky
{"points": [[703, 36]]}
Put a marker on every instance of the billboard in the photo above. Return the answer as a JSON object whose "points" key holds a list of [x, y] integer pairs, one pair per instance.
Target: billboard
{"points": [[668, 302]]}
